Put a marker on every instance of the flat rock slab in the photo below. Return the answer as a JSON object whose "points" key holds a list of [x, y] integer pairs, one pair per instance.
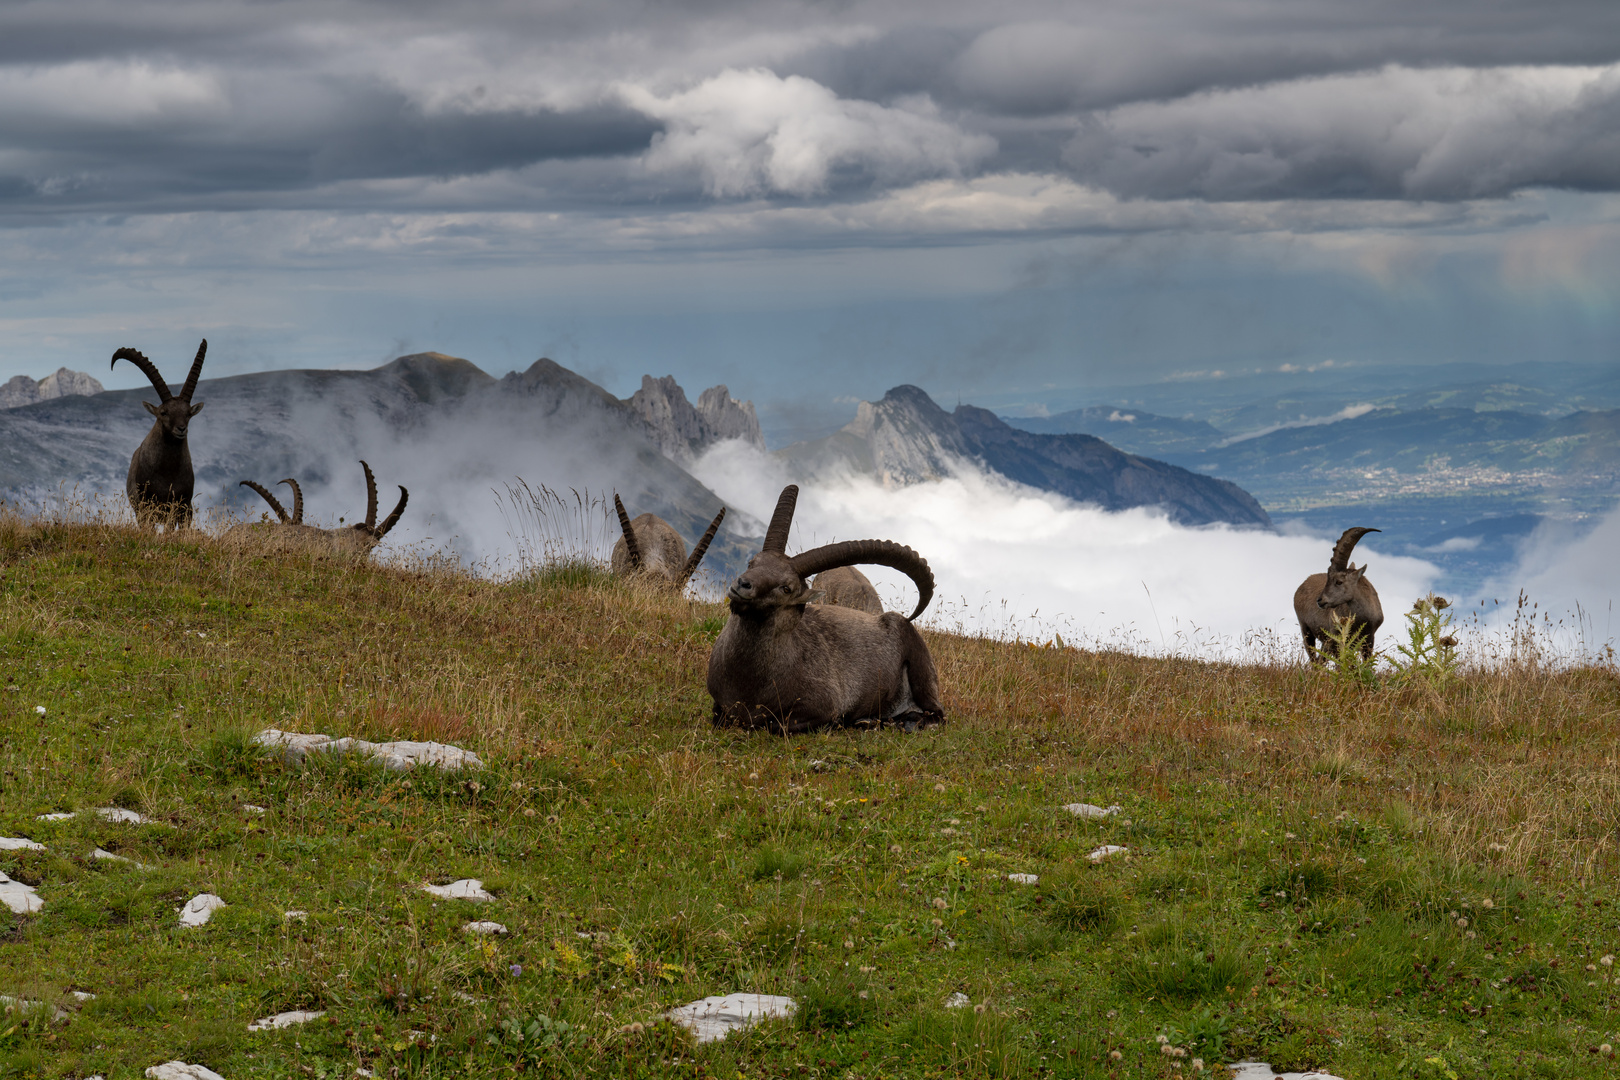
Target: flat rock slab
{"points": [[395, 756], [179, 1070], [466, 889], [1259, 1070], [100, 854], [285, 1019], [484, 928], [18, 1006], [20, 898], [1024, 879], [199, 909], [251, 809], [116, 814], [60, 815], [17, 843], [713, 1018], [1085, 809], [1106, 851]]}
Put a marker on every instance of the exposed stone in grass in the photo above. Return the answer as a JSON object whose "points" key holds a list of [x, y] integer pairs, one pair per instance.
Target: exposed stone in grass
{"points": [[199, 909], [396, 756], [465, 889], [115, 814], [20, 898], [484, 928], [1105, 851], [179, 1070], [98, 854], [60, 815], [285, 1019], [713, 1018], [18, 1006], [1024, 879], [250, 808], [297, 916], [1257, 1070], [958, 1000], [1087, 810], [17, 843]]}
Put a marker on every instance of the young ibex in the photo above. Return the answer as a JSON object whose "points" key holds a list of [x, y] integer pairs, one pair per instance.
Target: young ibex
{"points": [[787, 665], [846, 586], [160, 481], [293, 534], [650, 547], [1342, 595]]}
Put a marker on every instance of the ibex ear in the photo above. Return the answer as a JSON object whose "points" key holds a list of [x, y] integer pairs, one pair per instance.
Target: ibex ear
{"points": [[817, 596], [151, 408], [195, 409]]}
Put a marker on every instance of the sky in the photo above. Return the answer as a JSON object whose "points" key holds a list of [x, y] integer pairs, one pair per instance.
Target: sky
{"points": [[810, 202]]}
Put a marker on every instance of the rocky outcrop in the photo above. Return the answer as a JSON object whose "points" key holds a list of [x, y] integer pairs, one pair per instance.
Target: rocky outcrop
{"points": [[682, 431], [21, 390]]}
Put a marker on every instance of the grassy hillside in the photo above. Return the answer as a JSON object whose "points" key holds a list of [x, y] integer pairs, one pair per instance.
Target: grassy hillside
{"points": [[1384, 882]]}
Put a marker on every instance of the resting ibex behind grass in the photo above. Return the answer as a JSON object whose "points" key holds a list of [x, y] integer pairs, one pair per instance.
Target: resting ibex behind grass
{"points": [[846, 586], [161, 481], [787, 665], [293, 535], [651, 548], [1341, 597]]}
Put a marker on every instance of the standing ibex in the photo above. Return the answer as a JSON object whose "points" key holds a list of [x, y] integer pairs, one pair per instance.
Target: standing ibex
{"points": [[788, 665], [846, 587], [160, 479], [651, 547], [292, 533], [1341, 597]]}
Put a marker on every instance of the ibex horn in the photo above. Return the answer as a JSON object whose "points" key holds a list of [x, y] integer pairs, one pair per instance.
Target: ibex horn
{"points": [[196, 370], [371, 500], [881, 552], [1347, 544], [298, 500], [146, 366], [702, 546], [281, 511], [630, 546], [393, 519], [776, 536]]}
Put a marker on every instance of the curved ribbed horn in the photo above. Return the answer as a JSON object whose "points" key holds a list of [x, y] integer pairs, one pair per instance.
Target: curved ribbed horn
{"points": [[702, 546], [776, 537], [146, 366], [393, 519], [371, 499], [196, 370], [632, 549], [281, 511], [298, 500], [881, 552], [1347, 544]]}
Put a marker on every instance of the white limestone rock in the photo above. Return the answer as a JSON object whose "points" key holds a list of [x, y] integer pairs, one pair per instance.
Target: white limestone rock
{"points": [[958, 1000], [82, 996], [20, 898], [1105, 851], [119, 815], [99, 854], [713, 1018], [179, 1070], [396, 756], [285, 1019], [18, 1006], [1024, 879], [1087, 810], [296, 916], [60, 815], [1259, 1070], [17, 843], [251, 809], [485, 928], [199, 909], [465, 889]]}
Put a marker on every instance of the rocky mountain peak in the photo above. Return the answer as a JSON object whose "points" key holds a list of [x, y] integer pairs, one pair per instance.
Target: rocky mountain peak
{"points": [[683, 431], [22, 390]]}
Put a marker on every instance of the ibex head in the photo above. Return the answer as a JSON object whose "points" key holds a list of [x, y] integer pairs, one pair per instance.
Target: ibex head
{"points": [[1343, 578], [774, 581], [174, 412]]}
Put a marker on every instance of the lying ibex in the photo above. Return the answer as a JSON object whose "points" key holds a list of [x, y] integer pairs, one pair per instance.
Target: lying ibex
{"points": [[846, 587], [160, 481], [652, 548], [790, 666], [1343, 595], [293, 534]]}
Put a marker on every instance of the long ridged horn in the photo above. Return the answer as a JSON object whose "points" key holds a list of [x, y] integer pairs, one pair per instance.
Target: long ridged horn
{"points": [[1347, 544], [281, 511], [630, 546], [881, 552], [146, 366], [776, 537], [298, 500], [196, 369], [702, 546], [371, 499], [393, 519]]}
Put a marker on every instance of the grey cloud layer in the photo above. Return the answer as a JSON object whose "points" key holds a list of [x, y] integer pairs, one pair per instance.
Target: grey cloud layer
{"points": [[155, 106]]}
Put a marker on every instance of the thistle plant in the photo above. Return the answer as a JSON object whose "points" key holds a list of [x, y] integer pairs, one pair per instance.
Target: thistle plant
{"points": [[1430, 653], [1346, 645]]}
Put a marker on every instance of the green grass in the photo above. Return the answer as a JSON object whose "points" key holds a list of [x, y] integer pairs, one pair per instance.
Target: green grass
{"points": [[1310, 860]]}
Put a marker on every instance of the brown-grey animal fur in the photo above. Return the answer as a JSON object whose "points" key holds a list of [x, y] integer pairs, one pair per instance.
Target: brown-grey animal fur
{"points": [[650, 547], [291, 534], [1323, 601], [161, 482], [787, 665], [846, 586]]}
